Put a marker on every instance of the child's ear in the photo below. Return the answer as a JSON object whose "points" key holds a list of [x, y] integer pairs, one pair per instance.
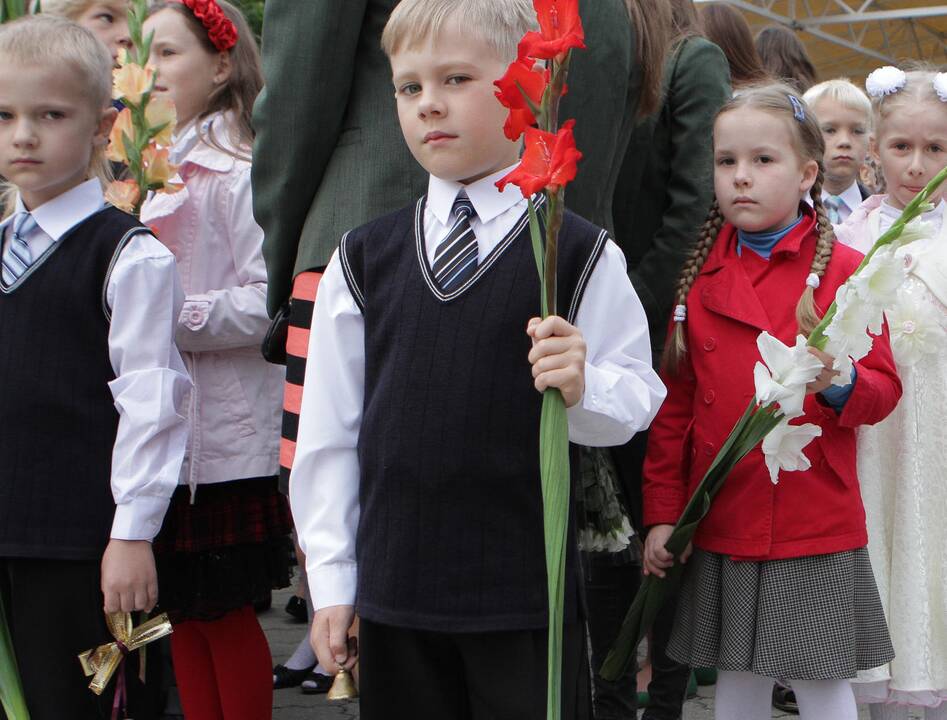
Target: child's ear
{"points": [[102, 130], [810, 171], [224, 68]]}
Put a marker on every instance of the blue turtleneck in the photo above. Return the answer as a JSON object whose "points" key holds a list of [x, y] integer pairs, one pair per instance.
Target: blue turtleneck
{"points": [[762, 243]]}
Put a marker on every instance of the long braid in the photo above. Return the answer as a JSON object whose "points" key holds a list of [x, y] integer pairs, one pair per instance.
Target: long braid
{"points": [[807, 314], [675, 350]]}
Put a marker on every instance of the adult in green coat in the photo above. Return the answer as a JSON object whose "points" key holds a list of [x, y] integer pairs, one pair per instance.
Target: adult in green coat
{"points": [[329, 154], [664, 191]]}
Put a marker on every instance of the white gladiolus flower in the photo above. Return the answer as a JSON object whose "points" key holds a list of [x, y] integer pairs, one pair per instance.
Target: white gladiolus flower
{"points": [[885, 81], [782, 447], [786, 373], [915, 230], [915, 330], [877, 283], [848, 331]]}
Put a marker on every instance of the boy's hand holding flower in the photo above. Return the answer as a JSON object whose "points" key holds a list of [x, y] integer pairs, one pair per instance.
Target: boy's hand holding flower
{"points": [[558, 357]]}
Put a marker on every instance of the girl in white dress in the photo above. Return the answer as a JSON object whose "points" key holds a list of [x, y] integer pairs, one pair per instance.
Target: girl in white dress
{"points": [[902, 460]]}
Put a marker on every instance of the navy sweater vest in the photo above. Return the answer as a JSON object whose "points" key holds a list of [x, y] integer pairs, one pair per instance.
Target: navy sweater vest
{"points": [[57, 418], [450, 536]]}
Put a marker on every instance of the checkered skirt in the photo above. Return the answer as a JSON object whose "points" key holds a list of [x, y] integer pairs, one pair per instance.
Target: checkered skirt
{"points": [[810, 618]]}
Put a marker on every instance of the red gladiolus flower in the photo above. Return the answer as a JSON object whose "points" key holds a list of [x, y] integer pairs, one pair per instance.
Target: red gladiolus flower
{"points": [[549, 161], [560, 30], [520, 74]]}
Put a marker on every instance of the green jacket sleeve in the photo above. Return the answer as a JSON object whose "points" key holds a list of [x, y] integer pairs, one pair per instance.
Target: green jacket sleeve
{"points": [[697, 89], [309, 49]]}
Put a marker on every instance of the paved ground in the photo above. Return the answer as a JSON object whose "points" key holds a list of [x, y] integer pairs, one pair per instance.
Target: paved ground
{"points": [[293, 705]]}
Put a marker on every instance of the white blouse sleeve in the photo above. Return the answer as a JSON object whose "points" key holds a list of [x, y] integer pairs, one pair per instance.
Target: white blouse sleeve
{"points": [[151, 383]]}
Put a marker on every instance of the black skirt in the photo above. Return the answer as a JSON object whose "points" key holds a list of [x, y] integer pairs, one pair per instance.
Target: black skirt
{"points": [[228, 549], [810, 618]]}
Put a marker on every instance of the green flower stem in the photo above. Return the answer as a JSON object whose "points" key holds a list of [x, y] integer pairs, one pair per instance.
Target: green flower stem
{"points": [[11, 692]]}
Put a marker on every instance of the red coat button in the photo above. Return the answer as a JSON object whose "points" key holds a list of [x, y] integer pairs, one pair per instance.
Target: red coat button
{"points": [[709, 397], [708, 449], [710, 344]]}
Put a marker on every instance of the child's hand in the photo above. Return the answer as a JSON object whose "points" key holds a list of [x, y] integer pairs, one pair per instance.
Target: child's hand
{"points": [[330, 638], [656, 557], [129, 579], [558, 357], [824, 379]]}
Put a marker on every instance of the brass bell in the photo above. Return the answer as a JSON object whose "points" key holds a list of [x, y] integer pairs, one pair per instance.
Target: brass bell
{"points": [[343, 687]]}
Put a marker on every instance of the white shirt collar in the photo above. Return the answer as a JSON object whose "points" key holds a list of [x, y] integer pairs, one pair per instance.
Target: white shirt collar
{"points": [[59, 215], [851, 196], [488, 201], [188, 144], [934, 216]]}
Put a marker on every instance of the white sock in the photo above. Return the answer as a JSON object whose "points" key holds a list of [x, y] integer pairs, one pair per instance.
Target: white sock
{"points": [[883, 711], [303, 657], [742, 696], [819, 699]]}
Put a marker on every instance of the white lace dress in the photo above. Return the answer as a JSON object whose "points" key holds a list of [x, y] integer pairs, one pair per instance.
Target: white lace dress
{"points": [[902, 468]]}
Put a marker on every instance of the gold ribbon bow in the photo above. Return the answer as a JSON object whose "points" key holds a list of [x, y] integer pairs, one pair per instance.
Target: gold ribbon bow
{"points": [[103, 661]]}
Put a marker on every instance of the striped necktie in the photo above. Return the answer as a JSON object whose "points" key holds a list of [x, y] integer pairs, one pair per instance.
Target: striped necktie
{"points": [[455, 258], [832, 204], [17, 257]]}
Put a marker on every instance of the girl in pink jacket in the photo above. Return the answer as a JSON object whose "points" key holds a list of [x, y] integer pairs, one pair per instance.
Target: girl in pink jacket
{"points": [[225, 540], [901, 460]]}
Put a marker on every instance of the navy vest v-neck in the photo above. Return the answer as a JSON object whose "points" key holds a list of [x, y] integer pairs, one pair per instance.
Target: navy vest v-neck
{"points": [[450, 535]]}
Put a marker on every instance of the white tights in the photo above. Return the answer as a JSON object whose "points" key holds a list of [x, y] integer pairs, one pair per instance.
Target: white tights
{"points": [[747, 696], [879, 711]]}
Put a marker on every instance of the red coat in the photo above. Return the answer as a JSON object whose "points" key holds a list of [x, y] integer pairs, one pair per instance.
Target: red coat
{"points": [[808, 513]]}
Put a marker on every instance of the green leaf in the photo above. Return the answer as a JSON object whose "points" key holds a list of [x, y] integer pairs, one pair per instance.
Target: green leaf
{"points": [[11, 692], [554, 472], [535, 234]]}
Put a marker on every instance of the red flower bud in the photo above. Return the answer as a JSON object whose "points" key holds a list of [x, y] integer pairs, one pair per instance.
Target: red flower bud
{"points": [[560, 30], [520, 74], [549, 161]]}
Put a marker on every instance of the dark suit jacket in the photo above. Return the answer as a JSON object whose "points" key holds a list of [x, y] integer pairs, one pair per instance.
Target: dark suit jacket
{"points": [[604, 82], [329, 154], [666, 183]]}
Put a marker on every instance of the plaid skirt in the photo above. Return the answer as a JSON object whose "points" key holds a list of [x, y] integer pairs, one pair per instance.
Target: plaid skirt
{"points": [[810, 618], [228, 549]]}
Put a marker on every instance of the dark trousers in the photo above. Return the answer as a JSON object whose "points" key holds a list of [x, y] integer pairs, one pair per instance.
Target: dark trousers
{"points": [[668, 677], [609, 590], [54, 612], [426, 675]]}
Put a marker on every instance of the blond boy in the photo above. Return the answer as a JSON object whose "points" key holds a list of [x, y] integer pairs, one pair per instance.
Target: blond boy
{"points": [[416, 488], [844, 114]]}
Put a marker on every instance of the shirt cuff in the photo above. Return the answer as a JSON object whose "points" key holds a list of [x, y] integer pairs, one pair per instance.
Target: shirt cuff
{"points": [[592, 421], [332, 584], [139, 519], [836, 396]]}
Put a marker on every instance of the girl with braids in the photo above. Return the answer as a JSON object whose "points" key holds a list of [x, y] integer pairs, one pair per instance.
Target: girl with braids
{"points": [[225, 543], [780, 584]]}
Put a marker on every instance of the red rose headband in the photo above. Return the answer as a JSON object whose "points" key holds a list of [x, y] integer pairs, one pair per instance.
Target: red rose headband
{"points": [[220, 30]]}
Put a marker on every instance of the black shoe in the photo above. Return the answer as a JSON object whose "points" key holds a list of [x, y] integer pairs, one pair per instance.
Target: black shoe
{"points": [[785, 699], [316, 684], [296, 607], [284, 677]]}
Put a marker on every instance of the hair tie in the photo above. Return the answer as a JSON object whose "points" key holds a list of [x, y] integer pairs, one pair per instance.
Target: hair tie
{"points": [[885, 80], [813, 281], [680, 313], [940, 86], [798, 111], [220, 29]]}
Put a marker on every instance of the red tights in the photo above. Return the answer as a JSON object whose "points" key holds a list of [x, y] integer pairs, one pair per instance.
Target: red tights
{"points": [[223, 668]]}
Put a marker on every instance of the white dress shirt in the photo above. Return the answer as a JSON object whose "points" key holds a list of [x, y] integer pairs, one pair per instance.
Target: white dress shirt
{"points": [[144, 295], [622, 391]]}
